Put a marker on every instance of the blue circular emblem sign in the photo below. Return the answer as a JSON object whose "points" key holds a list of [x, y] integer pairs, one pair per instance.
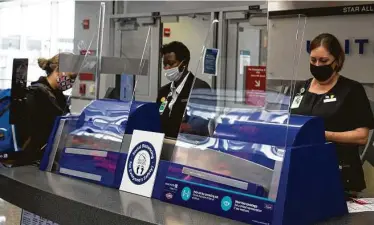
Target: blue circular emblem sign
{"points": [[186, 193], [226, 203], [141, 163]]}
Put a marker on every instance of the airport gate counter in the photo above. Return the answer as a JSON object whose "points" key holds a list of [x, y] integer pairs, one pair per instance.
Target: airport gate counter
{"points": [[111, 164], [65, 200], [69, 201]]}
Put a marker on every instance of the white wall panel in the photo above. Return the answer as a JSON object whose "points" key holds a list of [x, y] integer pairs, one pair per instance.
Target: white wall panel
{"points": [[282, 34]]}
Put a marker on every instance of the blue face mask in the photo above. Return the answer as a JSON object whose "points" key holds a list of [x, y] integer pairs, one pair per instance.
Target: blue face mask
{"points": [[173, 74]]}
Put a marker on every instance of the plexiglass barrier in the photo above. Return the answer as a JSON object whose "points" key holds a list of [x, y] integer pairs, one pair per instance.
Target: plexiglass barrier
{"points": [[118, 76], [233, 142], [101, 126]]}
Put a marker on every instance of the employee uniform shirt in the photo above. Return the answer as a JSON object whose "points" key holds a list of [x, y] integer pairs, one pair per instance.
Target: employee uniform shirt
{"points": [[176, 98], [344, 108]]}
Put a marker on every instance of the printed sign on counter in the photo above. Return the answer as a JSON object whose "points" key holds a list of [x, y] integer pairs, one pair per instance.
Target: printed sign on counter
{"points": [[28, 218], [142, 163], [255, 86], [210, 61]]}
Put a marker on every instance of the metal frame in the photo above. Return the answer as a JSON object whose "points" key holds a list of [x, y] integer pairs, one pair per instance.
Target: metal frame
{"points": [[99, 49], [180, 13]]}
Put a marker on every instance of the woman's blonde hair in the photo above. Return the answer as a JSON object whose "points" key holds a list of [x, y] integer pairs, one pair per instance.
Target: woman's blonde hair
{"points": [[48, 65]]}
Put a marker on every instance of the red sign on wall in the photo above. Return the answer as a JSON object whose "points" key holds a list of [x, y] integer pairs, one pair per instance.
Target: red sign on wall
{"points": [[86, 24], [167, 32], [255, 94], [88, 52], [86, 76]]}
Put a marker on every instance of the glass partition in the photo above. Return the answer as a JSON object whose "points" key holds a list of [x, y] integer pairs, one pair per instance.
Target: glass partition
{"points": [[99, 128], [143, 68], [235, 137]]}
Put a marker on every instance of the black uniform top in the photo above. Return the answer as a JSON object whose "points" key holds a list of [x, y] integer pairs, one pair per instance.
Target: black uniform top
{"points": [[170, 122], [344, 108]]}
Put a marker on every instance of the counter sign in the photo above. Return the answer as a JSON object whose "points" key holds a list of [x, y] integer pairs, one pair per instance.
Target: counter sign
{"points": [[142, 162]]}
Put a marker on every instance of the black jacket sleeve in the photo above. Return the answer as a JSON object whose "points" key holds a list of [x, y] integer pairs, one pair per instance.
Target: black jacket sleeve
{"points": [[362, 113], [42, 109]]}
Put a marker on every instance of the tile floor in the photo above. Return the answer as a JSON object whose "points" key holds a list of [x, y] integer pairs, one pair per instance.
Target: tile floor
{"points": [[9, 214]]}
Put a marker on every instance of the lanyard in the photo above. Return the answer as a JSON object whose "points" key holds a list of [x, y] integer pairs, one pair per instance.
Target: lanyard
{"points": [[174, 92]]}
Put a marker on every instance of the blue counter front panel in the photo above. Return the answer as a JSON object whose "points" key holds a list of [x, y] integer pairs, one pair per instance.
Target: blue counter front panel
{"points": [[233, 205]]}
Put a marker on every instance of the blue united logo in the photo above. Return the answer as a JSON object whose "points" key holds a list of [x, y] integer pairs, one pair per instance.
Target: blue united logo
{"points": [[141, 163]]}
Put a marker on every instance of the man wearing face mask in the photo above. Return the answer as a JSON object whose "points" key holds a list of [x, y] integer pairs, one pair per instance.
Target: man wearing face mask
{"points": [[341, 102], [173, 97], [44, 102]]}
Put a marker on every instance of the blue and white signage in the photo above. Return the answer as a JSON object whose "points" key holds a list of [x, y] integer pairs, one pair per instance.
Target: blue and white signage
{"points": [[127, 87], [142, 163], [360, 42], [210, 61]]}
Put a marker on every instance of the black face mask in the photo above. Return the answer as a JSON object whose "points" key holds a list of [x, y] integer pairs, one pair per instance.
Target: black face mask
{"points": [[322, 73]]}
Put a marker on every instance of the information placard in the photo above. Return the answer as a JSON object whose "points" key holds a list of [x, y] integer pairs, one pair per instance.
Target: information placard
{"points": [[142, 163], [127, 87], [210, 61], [28, 218], [255, 86], [245, 60]]}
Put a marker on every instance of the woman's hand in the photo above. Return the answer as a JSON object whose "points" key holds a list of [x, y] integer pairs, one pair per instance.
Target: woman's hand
{"points": [[358, 136]]}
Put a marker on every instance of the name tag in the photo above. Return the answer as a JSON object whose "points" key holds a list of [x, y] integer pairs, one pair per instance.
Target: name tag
{"points": [[296, 102], [162, 107], [184, 100], [329, 100]]}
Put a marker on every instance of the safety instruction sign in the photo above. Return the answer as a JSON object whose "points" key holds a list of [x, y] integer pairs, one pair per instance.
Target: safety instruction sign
{"points": [[255, 86], [210, 61], [142, 163]]}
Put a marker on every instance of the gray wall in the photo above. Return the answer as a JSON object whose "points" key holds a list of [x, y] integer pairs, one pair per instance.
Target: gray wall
{"points": [[287, 5], [282, 45]]}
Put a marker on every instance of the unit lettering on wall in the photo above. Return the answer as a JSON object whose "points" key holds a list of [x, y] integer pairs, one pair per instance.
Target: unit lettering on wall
{"points": [[353, 31], [361, 43]]}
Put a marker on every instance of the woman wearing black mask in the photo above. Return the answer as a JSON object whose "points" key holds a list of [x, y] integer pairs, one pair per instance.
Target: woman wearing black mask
{"points": [[341, 102]]}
